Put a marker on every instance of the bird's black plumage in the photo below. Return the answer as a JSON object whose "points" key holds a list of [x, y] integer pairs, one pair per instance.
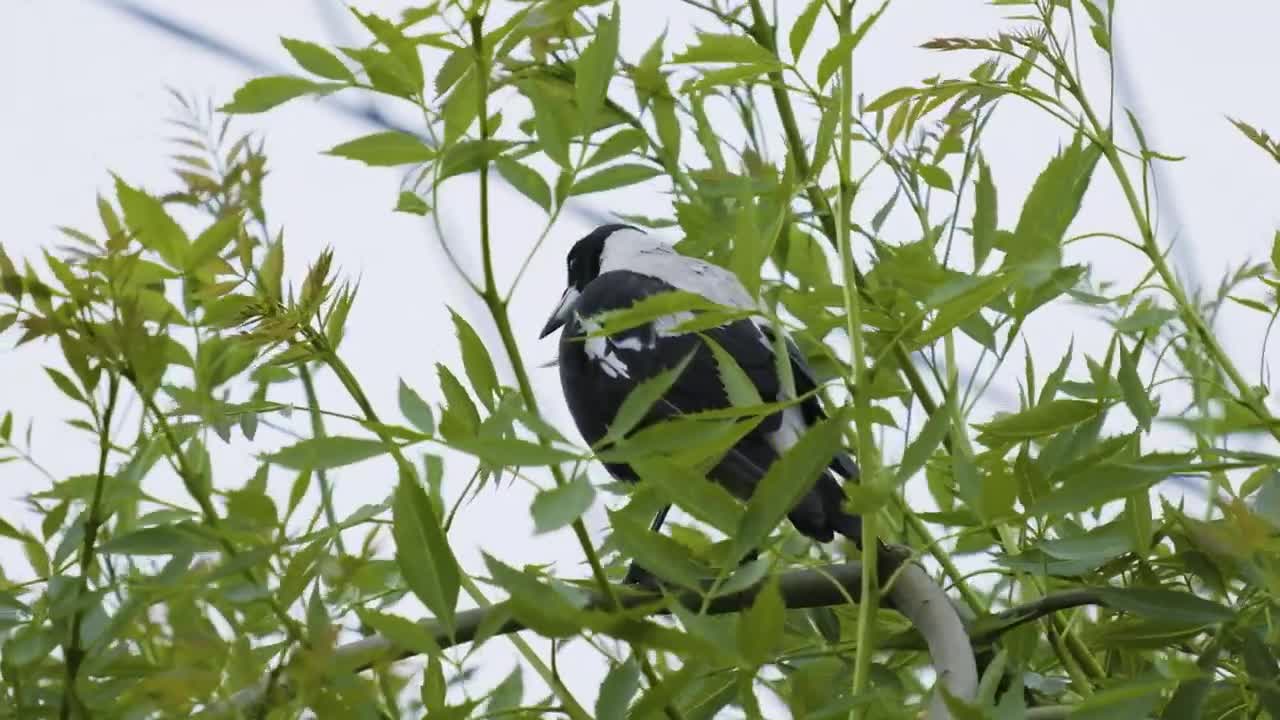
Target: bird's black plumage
{"points": [[598, 373]]}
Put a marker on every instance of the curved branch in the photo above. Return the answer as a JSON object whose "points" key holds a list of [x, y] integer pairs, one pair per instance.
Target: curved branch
{"points": [[913, 593]]}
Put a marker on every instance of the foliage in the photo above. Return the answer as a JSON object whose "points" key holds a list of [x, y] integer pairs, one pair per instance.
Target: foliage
{"points": [[1100, 596]]}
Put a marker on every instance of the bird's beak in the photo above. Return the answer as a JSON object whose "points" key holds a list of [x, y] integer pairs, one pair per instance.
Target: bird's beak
{"points": [[562, 311]]}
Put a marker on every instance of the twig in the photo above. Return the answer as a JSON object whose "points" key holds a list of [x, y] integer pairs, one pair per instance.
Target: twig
{"points": [[913, 593]]}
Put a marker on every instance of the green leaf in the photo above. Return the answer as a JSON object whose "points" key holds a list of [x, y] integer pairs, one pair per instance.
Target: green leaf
{"points": [[551, 121], [1094, 486], [738, 386], [594, 68], [692, 492], [760, 627], [404, 632], [803, 27], [404, 52], [959, 308], [535, 604], [211, 242], [657, 553], [151, 224], [1263, 672], [160, 540], [555, 508], [1052, 204], [1044, 419], [636, 405], [382, 149], [934, 176], [408, 202], [617, 690], [511, 452], [713, 48], [649, 309], [65, 384], [918, 452], [613, 177], [324, 453], [264, 93], [617, 145], [462, 107], [475, 359], [315, 59], [415, 409], [527, 181], [508, 694], [469, 156], [1275, 252], [787, 480], [833, 58], [1167, 605], [460, 418], [1135, 393], [422, 552], [984, 214], [1132, 699]]}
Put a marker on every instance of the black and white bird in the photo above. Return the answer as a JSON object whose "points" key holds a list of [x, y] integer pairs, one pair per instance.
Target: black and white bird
{"points": [[617, 265]]}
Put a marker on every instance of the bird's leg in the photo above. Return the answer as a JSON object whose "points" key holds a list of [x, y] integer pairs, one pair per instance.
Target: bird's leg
{"points": [[637, 575]]}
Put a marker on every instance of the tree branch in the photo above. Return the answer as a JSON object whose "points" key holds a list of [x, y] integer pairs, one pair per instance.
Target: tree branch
{"points": [[912, 592]]}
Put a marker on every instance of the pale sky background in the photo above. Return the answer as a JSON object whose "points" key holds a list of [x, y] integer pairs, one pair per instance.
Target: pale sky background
{"points": [[84, 94]]}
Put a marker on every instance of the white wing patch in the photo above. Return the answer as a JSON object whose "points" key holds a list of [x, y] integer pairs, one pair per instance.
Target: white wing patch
{"points": [[600, 349], [789, 432]]}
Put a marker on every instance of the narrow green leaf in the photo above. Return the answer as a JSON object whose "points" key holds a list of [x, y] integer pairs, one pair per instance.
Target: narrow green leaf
{"points": [[65, 384], [692, 492], [641, 399], [1052, 204], [151, 224], [831, 61], [316, 59], [534, 603], [760, 627], [160, 540], [803, 27], [619, 687], [559, 506], [462, 107], [510, 452], [476, 361], [1168, 605], [1095, 486], [387, 148], [921, 449], [713, 48], [264, 93], [415, 409], [964, 306], [613, 177], [404, 632], [460, 418], [595, 67], [1046, 418], [551, 121], [409, 202], [508, 694], [984, 214], [423, 553], [1135, 393], [211, 242], [526, 180], [934, 176], [657, 553], [1264, 673], [323, 453], [787, 480], [741, 391]]}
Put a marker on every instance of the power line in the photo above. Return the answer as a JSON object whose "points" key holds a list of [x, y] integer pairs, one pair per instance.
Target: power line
{"points": [[368, 114]]}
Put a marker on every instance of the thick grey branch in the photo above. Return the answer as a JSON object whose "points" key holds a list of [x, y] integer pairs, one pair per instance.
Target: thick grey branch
{"points": [[913, 593]]}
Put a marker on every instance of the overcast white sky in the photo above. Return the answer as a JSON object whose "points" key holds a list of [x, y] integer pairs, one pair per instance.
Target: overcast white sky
{"points": [[85, 94]]}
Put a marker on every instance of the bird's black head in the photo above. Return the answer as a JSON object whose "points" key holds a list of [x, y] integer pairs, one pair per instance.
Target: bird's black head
{"points": [[583, 264]]}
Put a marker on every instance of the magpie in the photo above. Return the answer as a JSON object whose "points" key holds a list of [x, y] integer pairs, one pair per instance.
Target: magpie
{"points": [[616, 266]]}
